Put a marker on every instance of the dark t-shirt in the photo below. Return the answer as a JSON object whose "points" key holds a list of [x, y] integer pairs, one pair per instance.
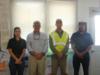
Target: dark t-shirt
{"points": [[17, 46], [81, 41]]}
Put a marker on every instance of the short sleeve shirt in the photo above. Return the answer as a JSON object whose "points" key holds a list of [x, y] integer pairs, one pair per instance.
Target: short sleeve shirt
{"points": [[17, 46], [81, 41]]}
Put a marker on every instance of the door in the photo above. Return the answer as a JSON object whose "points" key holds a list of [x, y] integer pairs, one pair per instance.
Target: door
{"points": [[95, 31]]}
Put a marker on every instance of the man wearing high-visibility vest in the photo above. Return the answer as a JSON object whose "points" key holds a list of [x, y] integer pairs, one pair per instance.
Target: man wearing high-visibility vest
{"points": [[59, 44]]}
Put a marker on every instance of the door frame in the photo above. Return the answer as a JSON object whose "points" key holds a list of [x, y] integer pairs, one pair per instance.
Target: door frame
{"points": [[95, 49]]}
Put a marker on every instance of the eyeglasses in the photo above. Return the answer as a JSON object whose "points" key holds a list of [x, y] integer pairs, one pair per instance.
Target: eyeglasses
{"points": [[36, 36]]}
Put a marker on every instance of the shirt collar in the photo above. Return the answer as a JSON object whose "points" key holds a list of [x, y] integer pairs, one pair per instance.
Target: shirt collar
{"points": [[16, 40], [59, 32], [37, 33]]}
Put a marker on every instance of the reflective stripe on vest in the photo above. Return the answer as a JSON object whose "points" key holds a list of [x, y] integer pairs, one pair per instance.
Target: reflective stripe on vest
{"points": [[59, 42]]}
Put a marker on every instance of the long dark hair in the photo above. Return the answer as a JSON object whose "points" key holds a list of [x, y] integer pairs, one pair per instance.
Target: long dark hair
{"points": [[15, 30]]}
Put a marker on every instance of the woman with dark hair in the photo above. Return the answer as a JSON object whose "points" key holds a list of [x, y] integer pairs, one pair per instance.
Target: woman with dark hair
{"points": [[16, 47]]}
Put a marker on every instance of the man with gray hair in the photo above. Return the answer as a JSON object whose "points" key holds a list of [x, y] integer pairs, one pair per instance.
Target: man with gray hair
{"points": [[37, 45]]}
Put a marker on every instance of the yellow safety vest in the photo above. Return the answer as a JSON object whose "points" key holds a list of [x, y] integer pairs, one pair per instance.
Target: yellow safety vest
{"points": [[59, 42]]}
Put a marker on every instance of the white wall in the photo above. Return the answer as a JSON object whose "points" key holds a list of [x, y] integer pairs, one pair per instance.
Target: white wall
{"points": [[83, 10]]}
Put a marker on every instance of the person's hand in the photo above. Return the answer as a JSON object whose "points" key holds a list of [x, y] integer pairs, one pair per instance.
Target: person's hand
{"points": [[18, 61], [80, 55], [38, 56], [60, 55]]}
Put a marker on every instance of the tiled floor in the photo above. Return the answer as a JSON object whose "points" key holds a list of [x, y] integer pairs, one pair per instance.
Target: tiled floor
{"points": [[48, 67]]}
